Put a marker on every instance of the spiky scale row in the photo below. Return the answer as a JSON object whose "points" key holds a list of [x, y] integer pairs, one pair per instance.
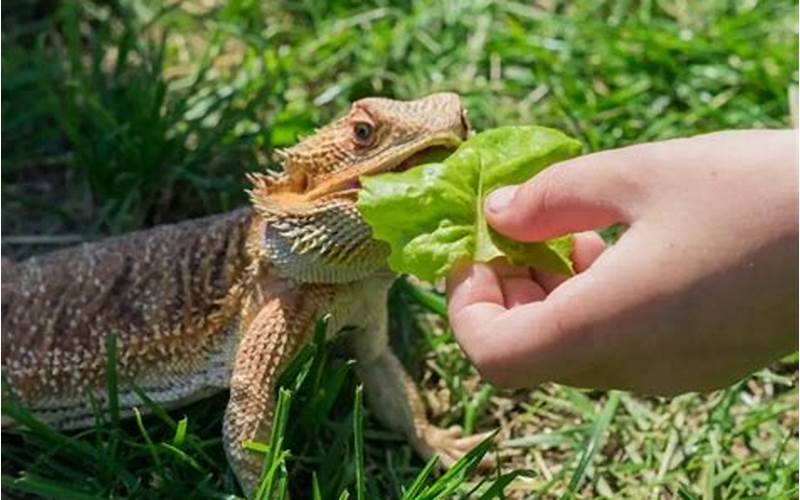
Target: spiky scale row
{"points": [[325, 241]]}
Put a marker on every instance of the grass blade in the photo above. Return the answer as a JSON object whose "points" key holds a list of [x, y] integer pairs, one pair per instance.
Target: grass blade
{"points": [[47, 488], [500, 483], [13, 408], [593, 443], [180, 432], [475, 406], [150, 445], [445, 486], [419, 482], [275, 456], [316, 494], [154, 407], [358, 438], [183, 456], [430, 300]]}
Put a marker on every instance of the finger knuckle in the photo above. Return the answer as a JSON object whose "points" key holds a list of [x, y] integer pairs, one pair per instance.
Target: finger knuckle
{"points": [[550, 193], [539, 196], [490, 363], [495, 372]]}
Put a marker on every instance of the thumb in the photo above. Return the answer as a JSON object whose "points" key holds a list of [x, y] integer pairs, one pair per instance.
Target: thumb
{"points": [[586, 193]]}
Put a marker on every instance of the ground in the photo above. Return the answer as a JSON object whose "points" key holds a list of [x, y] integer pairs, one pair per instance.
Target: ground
{"points": [[126, 114]]}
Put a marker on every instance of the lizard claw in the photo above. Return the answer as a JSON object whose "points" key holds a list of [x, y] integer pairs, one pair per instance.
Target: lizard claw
{"points": [[450, 446]]}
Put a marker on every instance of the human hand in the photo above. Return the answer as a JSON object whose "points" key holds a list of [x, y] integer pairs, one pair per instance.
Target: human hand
{"points": [[698, 292]]}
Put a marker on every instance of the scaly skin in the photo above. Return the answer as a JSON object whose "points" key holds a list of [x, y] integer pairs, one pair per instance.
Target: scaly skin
{"points": [[226, 302]]}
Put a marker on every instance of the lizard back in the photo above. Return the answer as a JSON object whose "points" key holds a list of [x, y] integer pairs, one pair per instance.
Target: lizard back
{"points": [[161, 292]]}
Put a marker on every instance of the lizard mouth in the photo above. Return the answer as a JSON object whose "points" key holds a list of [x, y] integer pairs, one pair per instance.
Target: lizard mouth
{"points": [[432, 153], [427, 155], [434, 150]]}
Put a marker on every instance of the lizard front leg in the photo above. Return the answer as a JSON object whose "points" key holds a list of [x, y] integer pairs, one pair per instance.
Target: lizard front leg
{"points": [[268, 343], [392, 395]]}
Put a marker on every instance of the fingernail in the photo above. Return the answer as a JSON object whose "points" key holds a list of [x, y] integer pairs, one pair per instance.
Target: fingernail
{"points": [[500, 199]]}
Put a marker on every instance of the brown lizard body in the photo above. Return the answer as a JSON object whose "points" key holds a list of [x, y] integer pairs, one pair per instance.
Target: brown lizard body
{"points": [[226, 302], [164, 293]]}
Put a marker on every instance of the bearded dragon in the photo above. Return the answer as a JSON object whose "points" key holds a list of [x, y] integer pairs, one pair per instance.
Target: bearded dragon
{"points": [[226, 302]]}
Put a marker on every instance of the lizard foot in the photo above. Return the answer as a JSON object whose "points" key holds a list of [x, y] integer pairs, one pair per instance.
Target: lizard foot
{"points": [[450, 445]]}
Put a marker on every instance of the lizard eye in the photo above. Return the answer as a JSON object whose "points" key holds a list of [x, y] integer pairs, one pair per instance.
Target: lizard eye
{"points": [[363, 132]]}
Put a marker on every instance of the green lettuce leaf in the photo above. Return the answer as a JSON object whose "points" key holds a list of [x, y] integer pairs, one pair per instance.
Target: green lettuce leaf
{"points": [[432, 215]]}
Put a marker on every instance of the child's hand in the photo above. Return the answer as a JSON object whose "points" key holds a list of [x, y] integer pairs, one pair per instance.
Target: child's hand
{"points": [[699, 291]]}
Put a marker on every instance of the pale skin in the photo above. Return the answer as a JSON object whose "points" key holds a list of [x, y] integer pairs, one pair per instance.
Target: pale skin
{"points": [[699, 291]]}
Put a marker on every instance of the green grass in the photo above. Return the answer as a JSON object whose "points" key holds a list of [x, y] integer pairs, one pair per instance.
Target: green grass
{"points": [[122, 115]]}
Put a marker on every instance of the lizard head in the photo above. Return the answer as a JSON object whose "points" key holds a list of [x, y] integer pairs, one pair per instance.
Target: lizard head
{"points": [[310, 208], [377, 135]]}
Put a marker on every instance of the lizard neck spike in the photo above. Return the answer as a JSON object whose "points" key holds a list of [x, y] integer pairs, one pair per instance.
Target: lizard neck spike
{"points": [[282, 156], [263, 186], [262, 182], [294, 175]]}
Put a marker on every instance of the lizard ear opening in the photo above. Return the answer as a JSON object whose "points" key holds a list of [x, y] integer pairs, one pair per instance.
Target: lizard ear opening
{"points": [[299, 181]]}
